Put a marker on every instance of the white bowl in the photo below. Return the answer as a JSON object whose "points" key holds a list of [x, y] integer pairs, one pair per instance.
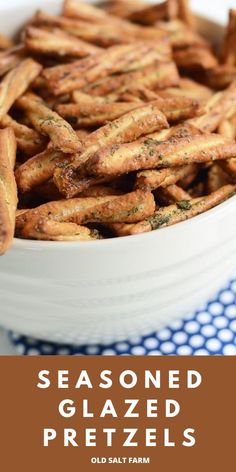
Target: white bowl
{"points": [[105, 291]]}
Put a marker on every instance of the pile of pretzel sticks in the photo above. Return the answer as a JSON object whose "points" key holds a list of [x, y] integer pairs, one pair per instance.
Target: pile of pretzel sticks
{"points": [[115, 120]]}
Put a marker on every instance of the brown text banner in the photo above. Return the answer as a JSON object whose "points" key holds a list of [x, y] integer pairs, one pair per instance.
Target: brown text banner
{"points": [[128, 413]]}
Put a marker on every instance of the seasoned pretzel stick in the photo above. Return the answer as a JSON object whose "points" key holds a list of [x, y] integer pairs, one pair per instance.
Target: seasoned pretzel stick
{"points": [[122, 8], [69, 77], [218, 107], [16, 82], [188, 88], [57, 43], [175, 109], [153, 179], [49, 230], [185, 14], [173, 214], [28, 140], [150, 14], [8, 190], [180, 35], [131, 126], [39, 169], [227, 129], [220, 77], [229, 46], [195, 57], [5, 42], [49, 123], [81, 115], [91, 32], [130, 207], [86, 12], [150, 154], [216, 178], [172, 194], [155, 76]]}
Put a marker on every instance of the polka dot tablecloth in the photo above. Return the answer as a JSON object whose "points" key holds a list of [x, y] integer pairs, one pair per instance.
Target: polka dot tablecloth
{"points": [[211, 330]]}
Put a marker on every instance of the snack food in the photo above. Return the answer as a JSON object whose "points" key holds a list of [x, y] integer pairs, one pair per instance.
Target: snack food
{"points": [[117, 119]]}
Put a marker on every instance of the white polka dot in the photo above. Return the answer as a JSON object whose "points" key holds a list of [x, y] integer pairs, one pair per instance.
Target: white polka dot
{"points": [[122, 347], [20, 349], [184, 351], [192, 327], [216, 308], [201, 352], [180, 338], [227, 297], [135, 340], [151, 343], [63, 351], [92, 350], [196, 341], [233, 285], [208, 331], [230, 311], [167, 348], [233, 326], [225, 335], [204, 317], [108, 352], [138, 351], [33, 352], [164, 334], [177, 325], [220, 322], [213, 345], [154, 353], [229, 350]]}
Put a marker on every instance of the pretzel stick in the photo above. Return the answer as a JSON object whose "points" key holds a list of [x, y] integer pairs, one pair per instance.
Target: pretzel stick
{"points": [[39, 169], [173, 214], [8, 190], [144, 119], [153, 179], [5, 43], [57, 43], [219, 106], [172, 194], [66, 78], [16, 82], [229, 47], [49, 230], [157, 75], [127, 208], [49, 123], [116, 160], [28, 140]]}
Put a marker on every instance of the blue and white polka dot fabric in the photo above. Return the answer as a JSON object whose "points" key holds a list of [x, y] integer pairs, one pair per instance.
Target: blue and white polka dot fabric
{"points": [[211, 330]]}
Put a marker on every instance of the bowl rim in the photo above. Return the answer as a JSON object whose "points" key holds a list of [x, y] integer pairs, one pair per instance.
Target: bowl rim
{"points": [[212, 214]]}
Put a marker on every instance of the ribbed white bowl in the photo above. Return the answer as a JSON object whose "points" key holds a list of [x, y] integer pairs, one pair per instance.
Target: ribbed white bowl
{"points": [[105, 291]]}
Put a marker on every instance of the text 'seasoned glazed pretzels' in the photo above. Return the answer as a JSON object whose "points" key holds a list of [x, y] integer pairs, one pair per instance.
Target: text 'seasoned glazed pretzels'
{"points": [[116, 119]]}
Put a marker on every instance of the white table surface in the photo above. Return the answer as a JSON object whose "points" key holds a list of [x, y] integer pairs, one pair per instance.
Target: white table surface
{"points": [[215, 9]]}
